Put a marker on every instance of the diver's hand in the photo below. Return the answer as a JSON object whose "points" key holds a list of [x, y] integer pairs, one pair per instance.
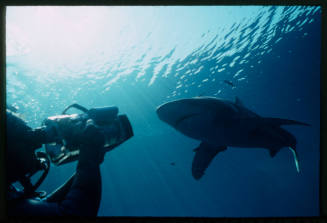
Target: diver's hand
{"points": [[92, 143], [92, 136]]}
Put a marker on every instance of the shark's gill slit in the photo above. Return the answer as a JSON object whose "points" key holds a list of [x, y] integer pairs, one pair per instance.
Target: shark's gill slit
{"points": [[183, 118]]}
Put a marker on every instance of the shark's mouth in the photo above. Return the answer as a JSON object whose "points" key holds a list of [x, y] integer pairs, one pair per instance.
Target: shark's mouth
{"points": [[183, 118]]}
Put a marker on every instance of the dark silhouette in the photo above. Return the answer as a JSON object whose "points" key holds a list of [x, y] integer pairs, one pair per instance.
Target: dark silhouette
{"points": [[79, 196], [219, 124]]}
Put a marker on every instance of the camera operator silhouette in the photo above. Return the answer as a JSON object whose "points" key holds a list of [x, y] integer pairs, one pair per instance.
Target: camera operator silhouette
{"points": [[80, 195]]}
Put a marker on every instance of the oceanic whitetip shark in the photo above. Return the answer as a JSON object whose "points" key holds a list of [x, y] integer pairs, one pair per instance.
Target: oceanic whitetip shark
{"points": [[220, 123]]}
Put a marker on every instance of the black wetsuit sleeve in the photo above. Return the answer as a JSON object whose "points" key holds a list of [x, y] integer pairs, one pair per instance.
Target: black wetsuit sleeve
{"points": [[83, 198]]}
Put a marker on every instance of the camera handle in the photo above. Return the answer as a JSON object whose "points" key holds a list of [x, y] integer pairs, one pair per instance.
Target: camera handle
{"points": [[77, 106]]}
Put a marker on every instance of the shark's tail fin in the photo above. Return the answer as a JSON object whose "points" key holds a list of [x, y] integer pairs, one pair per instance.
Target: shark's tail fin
{"points": [[274, 151], [296, 158]]}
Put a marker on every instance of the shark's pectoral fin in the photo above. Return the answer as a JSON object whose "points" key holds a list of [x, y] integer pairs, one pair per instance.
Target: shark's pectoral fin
{"points": [[203, 157]]}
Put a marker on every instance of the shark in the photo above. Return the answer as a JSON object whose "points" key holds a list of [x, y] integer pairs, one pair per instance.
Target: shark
{"points": [[219, 124]]}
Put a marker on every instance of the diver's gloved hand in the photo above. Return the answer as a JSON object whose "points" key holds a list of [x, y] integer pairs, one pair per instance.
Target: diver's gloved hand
{"points": [[92, 144], [92, 135]]}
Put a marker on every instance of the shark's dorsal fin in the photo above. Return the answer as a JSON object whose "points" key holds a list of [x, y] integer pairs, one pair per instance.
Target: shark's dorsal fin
{"points": [[238, 102], [203, 157]]}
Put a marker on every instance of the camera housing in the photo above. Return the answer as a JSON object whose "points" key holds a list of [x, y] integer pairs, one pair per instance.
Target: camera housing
{"points": [[66, 131]]}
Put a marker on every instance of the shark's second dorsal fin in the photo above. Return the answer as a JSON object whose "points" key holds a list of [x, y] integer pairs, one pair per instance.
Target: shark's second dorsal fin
{"points": [[273, 152], [238, 102]]}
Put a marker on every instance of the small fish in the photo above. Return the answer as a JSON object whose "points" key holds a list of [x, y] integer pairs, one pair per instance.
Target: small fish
{"points": [[172, 163], [229, 83]]}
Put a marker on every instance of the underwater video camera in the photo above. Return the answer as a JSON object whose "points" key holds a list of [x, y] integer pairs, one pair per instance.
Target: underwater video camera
{"points": [[61, 136], [64, 131]]}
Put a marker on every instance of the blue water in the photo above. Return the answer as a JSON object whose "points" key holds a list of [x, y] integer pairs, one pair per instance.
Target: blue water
{"points": [[140, 57]]}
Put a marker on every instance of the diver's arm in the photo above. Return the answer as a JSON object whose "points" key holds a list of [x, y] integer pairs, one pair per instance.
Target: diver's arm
{"points": [[84, 197], [85, 193]]}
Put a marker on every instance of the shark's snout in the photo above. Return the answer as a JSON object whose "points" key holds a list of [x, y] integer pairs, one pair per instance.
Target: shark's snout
{"points": [[165, 112], [160, 111], [170, 112]]}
